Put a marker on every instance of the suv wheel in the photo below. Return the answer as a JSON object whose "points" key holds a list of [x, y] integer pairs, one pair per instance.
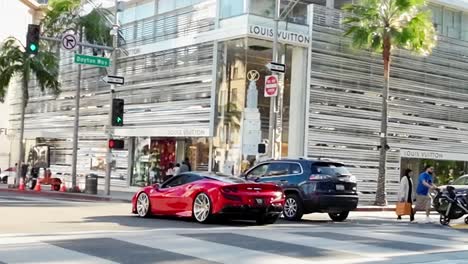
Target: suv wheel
{"points": [[293, 208], [339, 217]]}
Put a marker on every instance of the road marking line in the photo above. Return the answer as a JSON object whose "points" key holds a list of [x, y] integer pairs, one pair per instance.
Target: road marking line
{"points": [[214, 251], [44, 253]]}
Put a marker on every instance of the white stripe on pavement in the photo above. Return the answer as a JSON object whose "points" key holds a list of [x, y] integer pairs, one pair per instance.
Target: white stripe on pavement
{"points": [[39, 253], [453, 245], [213, 251], [330, 244]]}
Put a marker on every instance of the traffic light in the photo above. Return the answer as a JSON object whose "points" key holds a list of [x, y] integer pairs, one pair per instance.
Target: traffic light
{"points": [[116, 143], [32, 39], [117, 112]]}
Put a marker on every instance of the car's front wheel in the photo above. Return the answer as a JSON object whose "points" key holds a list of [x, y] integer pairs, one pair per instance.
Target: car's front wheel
{"points": [[339, 217], [293, 208], [143, 205], [201, 209]]}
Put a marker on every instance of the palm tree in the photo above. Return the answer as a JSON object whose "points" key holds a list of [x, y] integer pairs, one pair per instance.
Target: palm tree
{"points": [[14, 61], [381, 26]]}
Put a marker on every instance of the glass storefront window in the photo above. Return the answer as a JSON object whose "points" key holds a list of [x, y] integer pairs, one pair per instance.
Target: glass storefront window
{"points": [[264, 8], [140, 175], [144, 11], [153, 157], [166, 6], [230, 8], [235, 59]]}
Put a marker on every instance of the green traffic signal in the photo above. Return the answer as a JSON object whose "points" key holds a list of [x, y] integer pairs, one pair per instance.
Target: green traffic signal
{"points": [[33, 47], [119, 120]]}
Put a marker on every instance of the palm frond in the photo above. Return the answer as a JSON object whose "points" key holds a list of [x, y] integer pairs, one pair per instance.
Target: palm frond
{"points": [[11, 61], [406, 22], [60, 16], [45, 67], [97, 26]]}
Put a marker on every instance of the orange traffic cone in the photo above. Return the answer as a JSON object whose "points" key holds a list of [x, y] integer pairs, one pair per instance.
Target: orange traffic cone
{"points": [[63, 188], [38, 188], [21, 185]]}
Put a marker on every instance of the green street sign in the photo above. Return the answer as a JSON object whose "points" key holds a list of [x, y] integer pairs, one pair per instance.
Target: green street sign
{"points": [[92, 60]]}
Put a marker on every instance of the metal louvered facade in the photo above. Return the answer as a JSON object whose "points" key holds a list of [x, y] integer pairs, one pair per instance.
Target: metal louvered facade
{"points": [[428, 108], [166, 88], [176, 64]]}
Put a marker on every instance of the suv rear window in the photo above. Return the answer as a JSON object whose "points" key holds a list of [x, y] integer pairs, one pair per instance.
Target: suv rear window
{"points": [[329, 168]]}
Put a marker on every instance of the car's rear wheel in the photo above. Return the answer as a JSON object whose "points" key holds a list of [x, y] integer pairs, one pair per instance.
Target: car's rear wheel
{"points": [[266, 219], [293, 208], [339, 217], [143, 205], [201, 209]]}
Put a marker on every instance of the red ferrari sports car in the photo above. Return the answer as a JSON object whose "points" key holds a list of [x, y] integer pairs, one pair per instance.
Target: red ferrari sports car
{"points": [[205, 195]]}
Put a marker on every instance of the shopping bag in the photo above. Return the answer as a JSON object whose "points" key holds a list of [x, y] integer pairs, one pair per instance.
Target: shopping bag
{"points": [[403, 208]]}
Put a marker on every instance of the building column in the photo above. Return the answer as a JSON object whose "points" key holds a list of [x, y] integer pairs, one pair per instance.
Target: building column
{"points": [[298, 104]]}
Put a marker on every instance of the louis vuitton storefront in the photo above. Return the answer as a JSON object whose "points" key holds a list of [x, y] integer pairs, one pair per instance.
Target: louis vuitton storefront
{"points": [[187, 94]]}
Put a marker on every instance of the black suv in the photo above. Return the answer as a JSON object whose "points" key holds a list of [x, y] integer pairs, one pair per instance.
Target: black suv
{"points": [[310, 186]]}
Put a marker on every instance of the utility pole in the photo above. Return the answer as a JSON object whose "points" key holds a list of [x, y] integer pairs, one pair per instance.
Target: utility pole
{"points": [[77, 116], [272, 121], [115, 43]]}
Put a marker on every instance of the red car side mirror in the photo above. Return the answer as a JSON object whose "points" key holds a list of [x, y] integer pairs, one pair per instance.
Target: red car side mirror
{"points": [[156, 186]]}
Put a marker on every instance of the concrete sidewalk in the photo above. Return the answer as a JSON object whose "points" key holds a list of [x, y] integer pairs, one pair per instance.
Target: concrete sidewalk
{"points": [[117, 193]]}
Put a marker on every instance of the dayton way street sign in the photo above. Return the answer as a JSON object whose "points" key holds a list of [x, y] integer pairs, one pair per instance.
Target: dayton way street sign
{"points": [[92, 60], [271, 86], [114, 79], [276, 67]]}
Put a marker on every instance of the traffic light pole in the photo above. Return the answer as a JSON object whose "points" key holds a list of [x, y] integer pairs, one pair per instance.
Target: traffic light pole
{"points": [[115, 44]]}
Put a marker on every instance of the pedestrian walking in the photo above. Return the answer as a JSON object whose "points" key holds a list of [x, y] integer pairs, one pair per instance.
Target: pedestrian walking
{"points": [[187, 162], [177, 169], [170, 171], [184, 167], [405, 196], [423, 200]]}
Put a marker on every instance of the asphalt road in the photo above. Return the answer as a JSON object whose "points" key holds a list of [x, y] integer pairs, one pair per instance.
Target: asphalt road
{"points": [[39, 230]]}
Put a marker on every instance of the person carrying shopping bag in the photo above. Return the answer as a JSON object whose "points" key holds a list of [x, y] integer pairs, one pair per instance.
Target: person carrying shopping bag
{"points": [[405, 197]]}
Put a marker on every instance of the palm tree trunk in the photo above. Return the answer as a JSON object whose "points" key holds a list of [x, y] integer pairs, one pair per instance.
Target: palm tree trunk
{"points": [[19, 167], [381, 194]]}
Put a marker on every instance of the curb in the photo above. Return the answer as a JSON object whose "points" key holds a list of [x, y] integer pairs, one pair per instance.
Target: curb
{"points": [[374, 209], [79, 196]]}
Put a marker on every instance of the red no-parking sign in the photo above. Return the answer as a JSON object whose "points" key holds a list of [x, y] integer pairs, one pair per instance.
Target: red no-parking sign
{"points": [[271, 85]]}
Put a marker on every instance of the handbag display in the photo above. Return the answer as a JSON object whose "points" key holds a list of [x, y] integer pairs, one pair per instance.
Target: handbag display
{"points": [[403, 208]]}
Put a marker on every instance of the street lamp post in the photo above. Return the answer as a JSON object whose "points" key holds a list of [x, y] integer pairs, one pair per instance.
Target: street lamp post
{"points": [[272, 121]]}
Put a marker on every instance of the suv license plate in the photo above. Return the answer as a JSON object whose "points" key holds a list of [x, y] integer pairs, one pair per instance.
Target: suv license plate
{"points": [[259, 201], [340, 187]]}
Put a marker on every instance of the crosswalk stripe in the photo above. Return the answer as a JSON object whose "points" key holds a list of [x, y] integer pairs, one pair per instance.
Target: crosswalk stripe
{"points": [[126, 253], [410, 239], [327, 243], [213, 251], [39, 253]]}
